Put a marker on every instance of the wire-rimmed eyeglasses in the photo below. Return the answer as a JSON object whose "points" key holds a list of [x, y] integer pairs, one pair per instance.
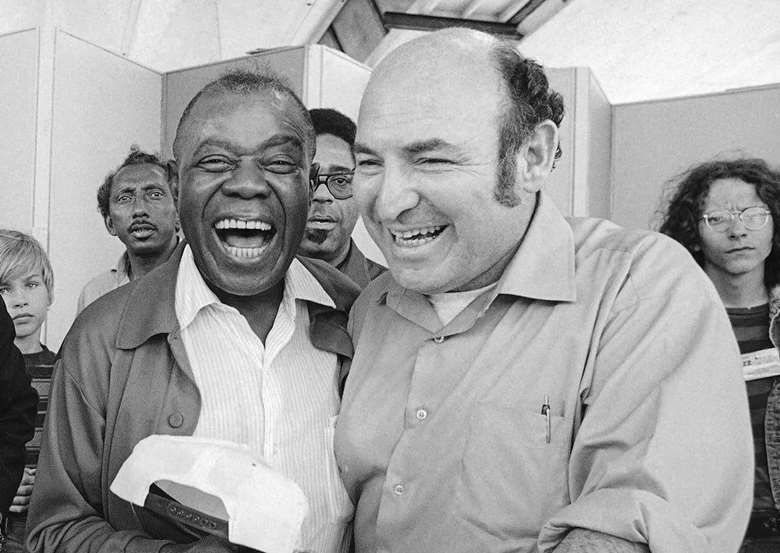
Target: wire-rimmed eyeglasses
{"points": [[338, 184], [753, 218]]}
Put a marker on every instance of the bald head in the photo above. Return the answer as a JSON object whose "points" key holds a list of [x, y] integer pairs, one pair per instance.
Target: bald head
{"points": [[245, 83], [455, 59]]}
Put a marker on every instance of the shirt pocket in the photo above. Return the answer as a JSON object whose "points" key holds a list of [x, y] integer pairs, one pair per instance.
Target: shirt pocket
{"points": [[339, 504], [512, 479]]}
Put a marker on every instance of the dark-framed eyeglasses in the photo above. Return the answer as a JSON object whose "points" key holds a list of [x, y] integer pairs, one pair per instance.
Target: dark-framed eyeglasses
{"points": [[753, 218], [338, 184]]}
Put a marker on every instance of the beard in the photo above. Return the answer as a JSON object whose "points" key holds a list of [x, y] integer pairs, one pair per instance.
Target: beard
{"points": [[316, 236]]}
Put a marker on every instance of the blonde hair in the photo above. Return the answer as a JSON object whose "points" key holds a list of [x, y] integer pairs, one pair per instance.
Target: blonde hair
{"points": [[21, 254]]}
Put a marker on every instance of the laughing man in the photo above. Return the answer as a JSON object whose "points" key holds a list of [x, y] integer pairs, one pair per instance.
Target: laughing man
{"points": [[233, 338]]}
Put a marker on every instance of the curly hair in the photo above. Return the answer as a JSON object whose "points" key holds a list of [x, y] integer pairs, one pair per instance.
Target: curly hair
{"points": [[684, 209], [531, 101], [135, 157]]}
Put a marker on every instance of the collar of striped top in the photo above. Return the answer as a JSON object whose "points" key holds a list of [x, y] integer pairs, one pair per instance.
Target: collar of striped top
{"points": [[193, 294]]}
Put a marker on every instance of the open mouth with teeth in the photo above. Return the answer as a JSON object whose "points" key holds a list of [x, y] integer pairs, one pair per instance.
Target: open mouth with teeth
{"points": [[417, 237], [244, 238]]}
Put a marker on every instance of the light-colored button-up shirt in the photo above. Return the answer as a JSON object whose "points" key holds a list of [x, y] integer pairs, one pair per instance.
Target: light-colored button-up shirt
{"points": [[103, 283], [278, 398], [597, 387]]}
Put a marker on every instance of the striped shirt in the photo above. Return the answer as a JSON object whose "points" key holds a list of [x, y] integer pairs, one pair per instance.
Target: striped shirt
{"points": [[278, 398], [39, 368], [751, 328]]}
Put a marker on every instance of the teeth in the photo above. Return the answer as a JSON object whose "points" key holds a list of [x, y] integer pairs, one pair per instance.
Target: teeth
{"points": [[241, 224], [417, 237], [245, 252]]}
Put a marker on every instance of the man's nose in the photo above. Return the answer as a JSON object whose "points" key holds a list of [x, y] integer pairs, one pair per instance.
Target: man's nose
{"points": [[322, 194], [17, 298], [247, 181], [395, 195]]}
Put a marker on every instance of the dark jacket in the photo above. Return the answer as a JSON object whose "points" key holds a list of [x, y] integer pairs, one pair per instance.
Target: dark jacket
{"points": [[360, 268], [123, 374], [18, 407]]}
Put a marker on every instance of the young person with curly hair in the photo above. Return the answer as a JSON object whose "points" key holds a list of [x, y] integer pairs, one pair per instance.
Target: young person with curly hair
{"points": [[727, 214]]}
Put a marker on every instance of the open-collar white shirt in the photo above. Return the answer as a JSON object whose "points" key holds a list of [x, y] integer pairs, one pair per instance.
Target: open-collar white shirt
{"points": [[278, 398]]}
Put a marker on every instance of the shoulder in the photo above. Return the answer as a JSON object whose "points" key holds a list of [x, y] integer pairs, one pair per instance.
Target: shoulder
{"points": [[639, 264], [342, 290], [96, 326], [97, 286], [371, 299]]}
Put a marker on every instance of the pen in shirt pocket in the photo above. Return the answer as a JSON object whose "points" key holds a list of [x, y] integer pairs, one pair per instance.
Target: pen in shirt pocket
{"points": [[546, 413]]}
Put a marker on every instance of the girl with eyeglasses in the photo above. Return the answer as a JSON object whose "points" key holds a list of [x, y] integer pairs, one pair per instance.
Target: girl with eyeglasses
{"points": [[727, 214]]}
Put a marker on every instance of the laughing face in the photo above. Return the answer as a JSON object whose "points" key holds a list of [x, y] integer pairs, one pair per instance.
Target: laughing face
{"points": [[737, 250], [243, 194], [142, 210], [427, 155]]}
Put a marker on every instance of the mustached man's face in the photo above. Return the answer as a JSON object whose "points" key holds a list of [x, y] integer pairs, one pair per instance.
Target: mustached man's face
{"points": [[331, 220], [142, 210], [243, 195]]}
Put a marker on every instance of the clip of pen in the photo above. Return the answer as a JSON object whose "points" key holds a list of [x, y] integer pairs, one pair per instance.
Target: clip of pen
{"points": [[546, 413]]}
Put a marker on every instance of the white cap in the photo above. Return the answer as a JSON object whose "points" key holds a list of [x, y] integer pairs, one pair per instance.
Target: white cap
{"points": [[263, 509]]}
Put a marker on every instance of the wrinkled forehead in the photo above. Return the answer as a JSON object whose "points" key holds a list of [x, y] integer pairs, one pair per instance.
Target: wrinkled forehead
{"points": [[418, 95], [242, 116]]}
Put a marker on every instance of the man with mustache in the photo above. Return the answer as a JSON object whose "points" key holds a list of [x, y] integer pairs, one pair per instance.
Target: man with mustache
{"points": [[232, 339], [138, 207], [333, 213]]}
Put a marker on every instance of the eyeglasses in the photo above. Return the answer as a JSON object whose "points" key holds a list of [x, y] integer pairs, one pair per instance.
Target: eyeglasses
{"points": [[338, 184], [753, 218]]}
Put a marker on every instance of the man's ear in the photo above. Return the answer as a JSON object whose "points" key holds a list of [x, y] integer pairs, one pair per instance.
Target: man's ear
{"points": [[537, 155], [173, 181], [109, 225]]}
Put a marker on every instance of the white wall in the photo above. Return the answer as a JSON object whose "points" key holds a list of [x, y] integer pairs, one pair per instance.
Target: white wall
{"points": [[102, 104], [652, 142], [18, 87]]}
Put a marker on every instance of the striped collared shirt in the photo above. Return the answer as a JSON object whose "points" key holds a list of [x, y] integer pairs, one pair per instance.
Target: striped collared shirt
{"points": [[278, 398]]}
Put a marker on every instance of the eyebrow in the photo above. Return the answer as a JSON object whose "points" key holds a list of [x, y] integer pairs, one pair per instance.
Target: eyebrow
{"points": [[337, 168], [414, 148], [275, 140]]}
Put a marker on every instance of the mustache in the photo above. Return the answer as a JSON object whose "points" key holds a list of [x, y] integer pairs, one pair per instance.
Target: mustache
{"points": [[141, 224]]}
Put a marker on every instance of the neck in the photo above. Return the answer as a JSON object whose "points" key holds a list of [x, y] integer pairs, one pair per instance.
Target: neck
{"points": [[259, 310], [29, 344], [341, 255], [143, 264], [744, 290]]}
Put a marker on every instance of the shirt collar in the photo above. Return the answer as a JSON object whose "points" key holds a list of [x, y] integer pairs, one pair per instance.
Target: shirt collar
{"points": [[543, 266], [193, 294]]}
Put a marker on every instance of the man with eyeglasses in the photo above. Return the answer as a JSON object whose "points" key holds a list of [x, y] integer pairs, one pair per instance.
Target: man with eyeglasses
{"points": [[333, 213]]}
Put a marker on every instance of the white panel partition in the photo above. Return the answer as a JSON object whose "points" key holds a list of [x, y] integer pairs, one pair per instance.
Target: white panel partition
{"points": [[18, 66], [102, 104], [652, 142]]}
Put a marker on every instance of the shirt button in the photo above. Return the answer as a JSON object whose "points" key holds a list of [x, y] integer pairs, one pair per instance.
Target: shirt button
{"points": [[399, 489], [438, 339], [176, 420], [421, 414]]}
